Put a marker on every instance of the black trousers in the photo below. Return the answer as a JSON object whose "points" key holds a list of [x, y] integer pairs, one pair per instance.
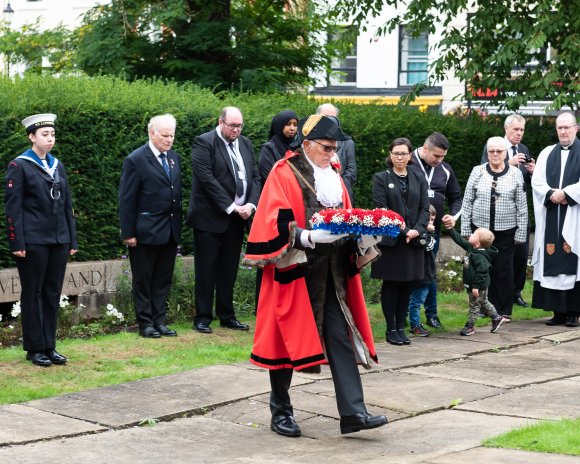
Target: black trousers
{"points": [[41, 276], [521, 252], [395, 303], [501, 287], [339, 351], [217, 257], [152, 268]]}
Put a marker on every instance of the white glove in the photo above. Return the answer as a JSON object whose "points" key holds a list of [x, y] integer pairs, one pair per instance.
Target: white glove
{"points": [[367, 241], [324, 236]]}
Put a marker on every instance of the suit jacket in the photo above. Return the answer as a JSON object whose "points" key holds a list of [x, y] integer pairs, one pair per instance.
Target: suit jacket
{"points": [[213, 185], [149, 202], [521, 149], [347, 161], [30, 207]]}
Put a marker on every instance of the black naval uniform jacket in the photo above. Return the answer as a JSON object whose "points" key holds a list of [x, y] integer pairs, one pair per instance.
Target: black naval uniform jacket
{"points": [[38, 208]]}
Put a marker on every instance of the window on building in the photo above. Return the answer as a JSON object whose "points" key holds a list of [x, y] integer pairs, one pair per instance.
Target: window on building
{"points": [[344, 68], [413, 58]]}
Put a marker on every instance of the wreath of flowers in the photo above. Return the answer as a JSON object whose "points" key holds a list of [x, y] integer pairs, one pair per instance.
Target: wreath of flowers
{"points": [[355, 221]]}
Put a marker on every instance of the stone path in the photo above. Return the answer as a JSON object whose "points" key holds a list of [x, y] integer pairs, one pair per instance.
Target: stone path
{"points": [[525, 373]]}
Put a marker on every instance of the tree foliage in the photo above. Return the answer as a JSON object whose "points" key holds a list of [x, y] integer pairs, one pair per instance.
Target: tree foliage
{"points": [[30, 45], [251, 44], [500, 47]]}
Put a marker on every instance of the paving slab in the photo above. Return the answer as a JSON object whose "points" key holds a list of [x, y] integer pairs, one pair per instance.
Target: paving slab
{"points": [[506, 338], [396, 357], [21, 424], [457, 345], [511, 368], [550, 400], [563, 337], [160, 397], [203, 440], [503, 456], [411, 394]]}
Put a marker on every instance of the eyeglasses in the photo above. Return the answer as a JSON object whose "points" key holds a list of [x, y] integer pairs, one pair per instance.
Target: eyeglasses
{"points": [[493, 152], [400, 154], [234, 126], [327, 148], [565, 128]]}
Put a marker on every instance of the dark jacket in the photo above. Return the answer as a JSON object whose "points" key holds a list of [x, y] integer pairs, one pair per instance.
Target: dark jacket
{"points": [[401, 262], [444, 185], [477, 263], [430, 265], [213, 185], [32, 214], [149, 202]]}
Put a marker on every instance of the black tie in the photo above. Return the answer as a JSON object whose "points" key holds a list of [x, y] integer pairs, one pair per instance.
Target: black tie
{"points": [[514, 150], [164, 164], [239, 183]]}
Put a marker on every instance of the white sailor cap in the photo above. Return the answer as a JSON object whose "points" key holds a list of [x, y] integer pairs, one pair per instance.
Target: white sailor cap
{"points": [[38, 120]]}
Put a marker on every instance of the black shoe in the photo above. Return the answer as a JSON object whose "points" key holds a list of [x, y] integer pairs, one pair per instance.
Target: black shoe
{"points": [[149, 332], [572, 321], [166, 331], [286, 426], [403, 337], [393, 338], [360, 421], [558, 319], [202, 327], [520, 302], [55, 357], [434, 322], [233, 323], [39, 359]]}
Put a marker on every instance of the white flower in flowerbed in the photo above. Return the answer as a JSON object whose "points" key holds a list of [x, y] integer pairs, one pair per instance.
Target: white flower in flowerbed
{"points": [[63, 303], [115, 313], [451, 274], [16, 309]]}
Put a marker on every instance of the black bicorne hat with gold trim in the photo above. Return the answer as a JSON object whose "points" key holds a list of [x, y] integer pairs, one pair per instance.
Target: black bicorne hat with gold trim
{"points": [[317, 126]]}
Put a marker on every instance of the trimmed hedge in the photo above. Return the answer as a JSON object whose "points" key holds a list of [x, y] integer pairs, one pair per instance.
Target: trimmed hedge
{"points": [[102, 119]]}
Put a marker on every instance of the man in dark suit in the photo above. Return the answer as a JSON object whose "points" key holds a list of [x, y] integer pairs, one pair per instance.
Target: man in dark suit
{"points": [[518, 155], [150, 212], [224, 193], [345, 152]]}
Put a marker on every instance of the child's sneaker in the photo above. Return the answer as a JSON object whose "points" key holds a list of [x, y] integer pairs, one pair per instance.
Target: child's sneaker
{"points": [[467, 330], [497, 323], [420, 331]]}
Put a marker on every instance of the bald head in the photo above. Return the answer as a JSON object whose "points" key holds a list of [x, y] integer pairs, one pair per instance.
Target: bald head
{"points": [[327, 109]]}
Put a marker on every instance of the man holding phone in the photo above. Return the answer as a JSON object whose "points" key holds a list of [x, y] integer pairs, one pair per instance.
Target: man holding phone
{"points": [[518, 155]]}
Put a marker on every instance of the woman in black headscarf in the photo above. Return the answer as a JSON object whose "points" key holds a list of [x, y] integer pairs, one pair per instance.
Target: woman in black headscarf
{"points": [[282, 134]]}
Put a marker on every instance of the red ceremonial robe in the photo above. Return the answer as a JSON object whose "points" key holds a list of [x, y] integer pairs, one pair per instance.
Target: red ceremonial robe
{"points": [[286, 335]]}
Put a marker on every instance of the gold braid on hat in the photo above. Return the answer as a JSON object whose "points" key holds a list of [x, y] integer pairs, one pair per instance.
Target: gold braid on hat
{"points": [[311, 124]]}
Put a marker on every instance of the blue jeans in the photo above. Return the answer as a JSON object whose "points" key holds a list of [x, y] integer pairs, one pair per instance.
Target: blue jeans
{"points": [[425, 295]]}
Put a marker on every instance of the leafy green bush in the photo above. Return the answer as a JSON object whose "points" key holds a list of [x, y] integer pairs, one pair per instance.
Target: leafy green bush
{"points": [[102, 119]]}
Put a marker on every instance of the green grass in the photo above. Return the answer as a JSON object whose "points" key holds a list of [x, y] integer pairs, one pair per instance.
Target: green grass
{"points": [[123, 357], [117, 358], [452, 310], [560, 437]]}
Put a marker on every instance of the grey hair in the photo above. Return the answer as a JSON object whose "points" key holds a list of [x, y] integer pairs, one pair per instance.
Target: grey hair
{"points": [[162, 120], [572, 115], [496, 139], [324, 106], [514, 117]]}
